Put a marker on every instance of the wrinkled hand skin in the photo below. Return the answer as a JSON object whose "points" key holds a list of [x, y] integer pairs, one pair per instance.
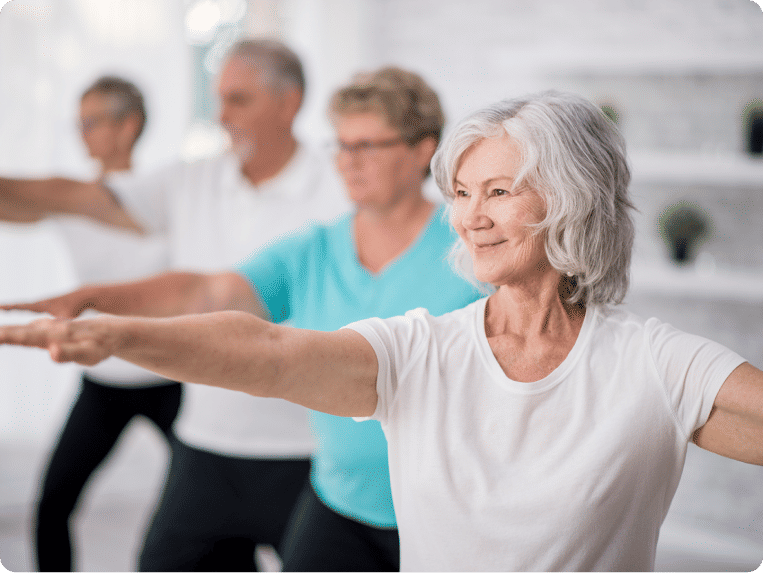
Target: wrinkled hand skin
{"points": [[86, 342]]}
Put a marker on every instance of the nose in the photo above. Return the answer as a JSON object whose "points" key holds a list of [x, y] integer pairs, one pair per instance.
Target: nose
{"points": [[474, 213], [347, 159]]}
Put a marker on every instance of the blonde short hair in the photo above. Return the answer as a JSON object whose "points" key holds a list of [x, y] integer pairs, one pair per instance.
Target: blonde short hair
{"points": [[403, 98]]}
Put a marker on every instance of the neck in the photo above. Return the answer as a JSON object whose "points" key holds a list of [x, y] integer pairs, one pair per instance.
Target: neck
{"points": [[112, 164], [268, 161], [532, 308], [381, 235], [405, 211]]}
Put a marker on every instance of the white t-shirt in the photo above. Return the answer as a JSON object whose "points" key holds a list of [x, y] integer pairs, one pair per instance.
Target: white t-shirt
{"points": [[574, 472], [103, 254], [214, 217]]}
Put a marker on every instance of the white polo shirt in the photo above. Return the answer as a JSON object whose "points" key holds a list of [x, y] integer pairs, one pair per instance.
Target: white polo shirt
{"points": [[103, 254], [214, 218]]}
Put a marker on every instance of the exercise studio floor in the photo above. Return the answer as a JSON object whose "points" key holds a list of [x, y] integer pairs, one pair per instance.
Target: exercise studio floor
{"points": [[715, 522]]}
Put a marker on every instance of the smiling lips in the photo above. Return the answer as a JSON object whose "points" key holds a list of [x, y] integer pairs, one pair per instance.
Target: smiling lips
{"points": [[486, 246]]}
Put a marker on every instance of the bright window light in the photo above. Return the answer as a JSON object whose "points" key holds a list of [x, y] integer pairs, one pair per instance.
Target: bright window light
{"points": [[202, 20]]}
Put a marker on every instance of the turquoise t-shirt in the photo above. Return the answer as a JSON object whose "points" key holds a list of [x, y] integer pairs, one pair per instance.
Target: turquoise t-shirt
{"points": [[314, 280]]}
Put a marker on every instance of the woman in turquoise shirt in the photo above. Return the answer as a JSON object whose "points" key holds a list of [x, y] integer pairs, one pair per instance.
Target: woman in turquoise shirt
{"points": [[386, 257]]}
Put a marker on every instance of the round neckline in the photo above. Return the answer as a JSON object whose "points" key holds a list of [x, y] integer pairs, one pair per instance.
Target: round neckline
{"points": [[547, 382], [423, 233]]}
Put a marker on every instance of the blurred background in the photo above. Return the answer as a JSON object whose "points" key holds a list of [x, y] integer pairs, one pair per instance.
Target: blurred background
{"points": [[682, 78]]}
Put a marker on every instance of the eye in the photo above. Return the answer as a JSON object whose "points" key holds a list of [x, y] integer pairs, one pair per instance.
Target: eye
{"points": [[500, 192], [461, 193]]}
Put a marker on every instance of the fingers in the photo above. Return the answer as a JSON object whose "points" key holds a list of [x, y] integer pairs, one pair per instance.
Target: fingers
{"points": [[32, 306], [65, 340], [57, 307], [36, 334], [82, 352]]}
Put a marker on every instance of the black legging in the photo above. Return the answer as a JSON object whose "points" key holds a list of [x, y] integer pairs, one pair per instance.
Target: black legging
{"points": [[95, 422], [215, 509], [319, 539]]}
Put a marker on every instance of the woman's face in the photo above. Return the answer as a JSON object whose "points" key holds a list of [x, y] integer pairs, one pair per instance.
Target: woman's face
{"points": [[99, 128], [378, 167], [492, 219]]}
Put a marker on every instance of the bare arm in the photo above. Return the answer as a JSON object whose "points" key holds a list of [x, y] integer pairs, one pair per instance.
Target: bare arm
{"points": [[735, 426], [31, 200], [167, 294], [333, 372]]}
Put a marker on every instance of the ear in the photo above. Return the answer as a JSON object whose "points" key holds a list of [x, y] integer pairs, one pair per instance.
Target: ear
{"points": [[424, 151], [128, 130], [291, 102]]}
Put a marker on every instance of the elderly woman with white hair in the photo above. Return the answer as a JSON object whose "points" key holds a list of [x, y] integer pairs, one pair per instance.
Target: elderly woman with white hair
{"points": [[539, 428]]}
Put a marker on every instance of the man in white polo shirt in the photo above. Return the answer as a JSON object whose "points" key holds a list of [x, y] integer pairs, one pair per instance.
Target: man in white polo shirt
{"points": [[237, 466]]}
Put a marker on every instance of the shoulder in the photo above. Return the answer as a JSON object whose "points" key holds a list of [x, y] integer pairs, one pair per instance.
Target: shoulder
{"points": [[219, 169], [615, 323], [418, 326], [195, 168], [618, 320], [622, 331], [302, 242], [321, 234]]}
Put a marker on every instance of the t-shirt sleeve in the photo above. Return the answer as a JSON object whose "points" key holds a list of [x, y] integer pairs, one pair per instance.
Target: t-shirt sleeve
{"points": [[397, 343], [692, 368], [274, 271]]}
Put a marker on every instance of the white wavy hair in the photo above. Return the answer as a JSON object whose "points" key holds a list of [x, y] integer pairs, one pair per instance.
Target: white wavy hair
{"points": [[574, 156]]}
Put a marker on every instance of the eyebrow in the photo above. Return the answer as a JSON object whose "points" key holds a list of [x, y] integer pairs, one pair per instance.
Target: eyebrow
{"points": [[487, 182]]}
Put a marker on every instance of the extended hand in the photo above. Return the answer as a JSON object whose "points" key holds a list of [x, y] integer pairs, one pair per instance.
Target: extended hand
{"points": [[69, 305], [86, 342]]}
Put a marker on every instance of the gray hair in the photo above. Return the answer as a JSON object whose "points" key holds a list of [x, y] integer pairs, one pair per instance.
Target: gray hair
{"points": [[281, 68], [574, 156]]}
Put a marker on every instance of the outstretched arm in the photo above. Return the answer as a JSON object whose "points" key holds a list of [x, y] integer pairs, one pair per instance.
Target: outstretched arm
{"points": [[735, 426], [167, 294], [333, 372], [31, 200]]}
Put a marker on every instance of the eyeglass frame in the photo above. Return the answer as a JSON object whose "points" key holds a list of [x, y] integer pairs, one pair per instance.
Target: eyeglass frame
{"points": [[365, 146], [86, 124]]}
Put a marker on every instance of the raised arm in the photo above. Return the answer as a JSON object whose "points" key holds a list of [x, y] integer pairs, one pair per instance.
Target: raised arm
{"points": [[333, 372], [31, 200], [167, 294], [735, 426]]}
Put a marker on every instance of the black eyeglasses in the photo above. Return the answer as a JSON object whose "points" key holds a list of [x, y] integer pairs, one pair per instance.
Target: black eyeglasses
{"points": [[88, 123], [364, 147]]}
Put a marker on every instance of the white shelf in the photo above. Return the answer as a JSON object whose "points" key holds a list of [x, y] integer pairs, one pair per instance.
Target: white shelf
{"points": [[721, 284], [723, 170]]}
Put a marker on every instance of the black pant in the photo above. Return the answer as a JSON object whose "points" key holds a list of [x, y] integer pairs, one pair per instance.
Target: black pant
{"points": [[215, 509], [319, 539], [95, 422]]}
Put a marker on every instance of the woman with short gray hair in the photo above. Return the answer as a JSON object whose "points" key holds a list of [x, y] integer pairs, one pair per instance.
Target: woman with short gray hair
{"points": [[587, 226], [539, 428]]}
